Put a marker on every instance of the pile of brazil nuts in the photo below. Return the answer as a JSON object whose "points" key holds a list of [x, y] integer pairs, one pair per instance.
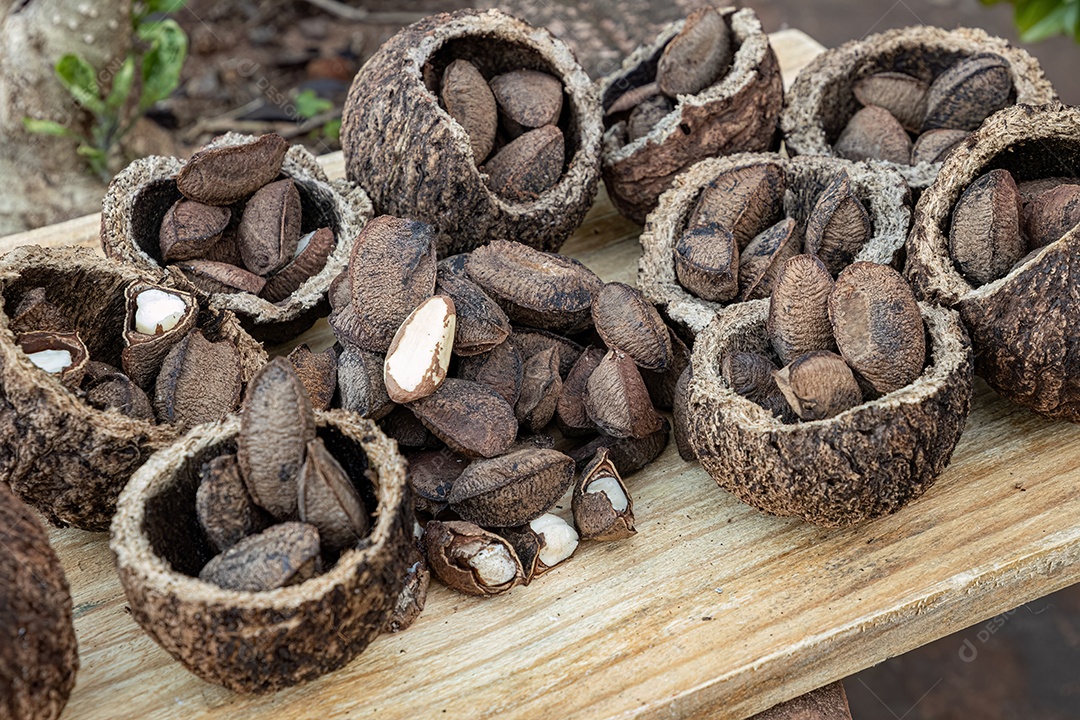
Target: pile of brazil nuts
{"points": [[474, 364], [838, 343]]}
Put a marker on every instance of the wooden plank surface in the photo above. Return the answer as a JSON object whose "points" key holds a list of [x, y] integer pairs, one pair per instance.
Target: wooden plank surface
{"points": [[712, 610]]}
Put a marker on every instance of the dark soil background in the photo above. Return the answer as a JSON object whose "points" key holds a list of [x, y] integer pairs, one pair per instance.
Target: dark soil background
{"points": [[249, 59]]}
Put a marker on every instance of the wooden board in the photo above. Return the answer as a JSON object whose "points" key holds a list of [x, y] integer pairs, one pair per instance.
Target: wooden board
{"points": [[711, 611]]}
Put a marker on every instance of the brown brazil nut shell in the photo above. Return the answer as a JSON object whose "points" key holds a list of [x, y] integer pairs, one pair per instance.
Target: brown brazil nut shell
{"points": [[138, 198], [438, 180], [736, 114], [1023, 325], [38, 654], [288, 635], [863, 463], [62, 456], [822, 99], [882, 191]]}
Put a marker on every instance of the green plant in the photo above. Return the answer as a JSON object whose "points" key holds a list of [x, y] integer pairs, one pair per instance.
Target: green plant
{"points": [[332, 131], [308, 104], [158, 50], [1039, 19]]}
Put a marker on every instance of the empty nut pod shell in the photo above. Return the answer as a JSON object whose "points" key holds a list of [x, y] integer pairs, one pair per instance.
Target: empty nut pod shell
{"points": [[736, 113], [1022, 325], [415, 160], [141, 196], [66, 457], [803, 180], [865, 462], [823, 100], [38, 657], [255, 642]]}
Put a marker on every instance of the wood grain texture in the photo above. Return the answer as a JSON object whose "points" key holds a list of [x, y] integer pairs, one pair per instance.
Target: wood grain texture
{"points": [[711, 611]]}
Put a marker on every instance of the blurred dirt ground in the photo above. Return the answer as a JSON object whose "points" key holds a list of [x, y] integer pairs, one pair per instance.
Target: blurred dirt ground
{"points": [[249, 59]]}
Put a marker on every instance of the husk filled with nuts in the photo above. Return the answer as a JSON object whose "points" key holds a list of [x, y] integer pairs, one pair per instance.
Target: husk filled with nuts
{"points": [[138, 199], [822, 101], [64, 457], [1022, 325], [865, 462], [881, 190], [255, 642], [416, 161], [738, 113]]}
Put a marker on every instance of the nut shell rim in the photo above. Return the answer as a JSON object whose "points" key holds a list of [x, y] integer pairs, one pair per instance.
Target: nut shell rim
{"points": [[150, 582], [1012, 353], [801, 122], [478, 213], [349, 202], [718, 417], [884, 189]]}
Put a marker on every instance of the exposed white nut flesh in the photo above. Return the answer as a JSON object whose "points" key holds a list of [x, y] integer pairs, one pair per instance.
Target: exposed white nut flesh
{"points": [[493, 564], [419, 354], [51, 361], [305, 240], [610, 487], [560, 538], [157, 311]]}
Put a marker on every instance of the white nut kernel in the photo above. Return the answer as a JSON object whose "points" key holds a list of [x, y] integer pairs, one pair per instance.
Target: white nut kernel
{"points": [[51, 361], [610, 487], [305, 240], [560, 538], [493, 565], [157, 311], [419, 354]]}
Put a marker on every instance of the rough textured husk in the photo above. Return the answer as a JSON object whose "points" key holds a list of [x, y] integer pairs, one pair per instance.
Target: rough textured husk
{"points": [[863, 463], [737, 114], [339, 204], [38, 658], [258, 642], [59, 454], [415, 161], [821, 100], [880, 189], [1022, 326]]}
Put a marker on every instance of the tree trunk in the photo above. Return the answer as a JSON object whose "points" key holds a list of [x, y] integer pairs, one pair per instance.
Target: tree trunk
{"points": [[48, 180]]}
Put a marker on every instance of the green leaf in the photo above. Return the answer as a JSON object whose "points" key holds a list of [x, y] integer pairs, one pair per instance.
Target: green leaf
{"points": [[121, 85], [332, 130], [308, 104], [1053, 23], [96, 158], [46, 127], [90, 152], [166, 7], [1028, 13], [142, 9], [80, 80], [1072, 20], [162, 63]]}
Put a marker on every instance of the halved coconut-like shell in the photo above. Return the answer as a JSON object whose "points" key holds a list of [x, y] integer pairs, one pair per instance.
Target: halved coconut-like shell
{"points": [[737, 114], [38, 658], [868, 461], [416, 161], [822, 99], [254, 642], [1023, 325], [138, 198], [59, 454], [881, 190]]}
